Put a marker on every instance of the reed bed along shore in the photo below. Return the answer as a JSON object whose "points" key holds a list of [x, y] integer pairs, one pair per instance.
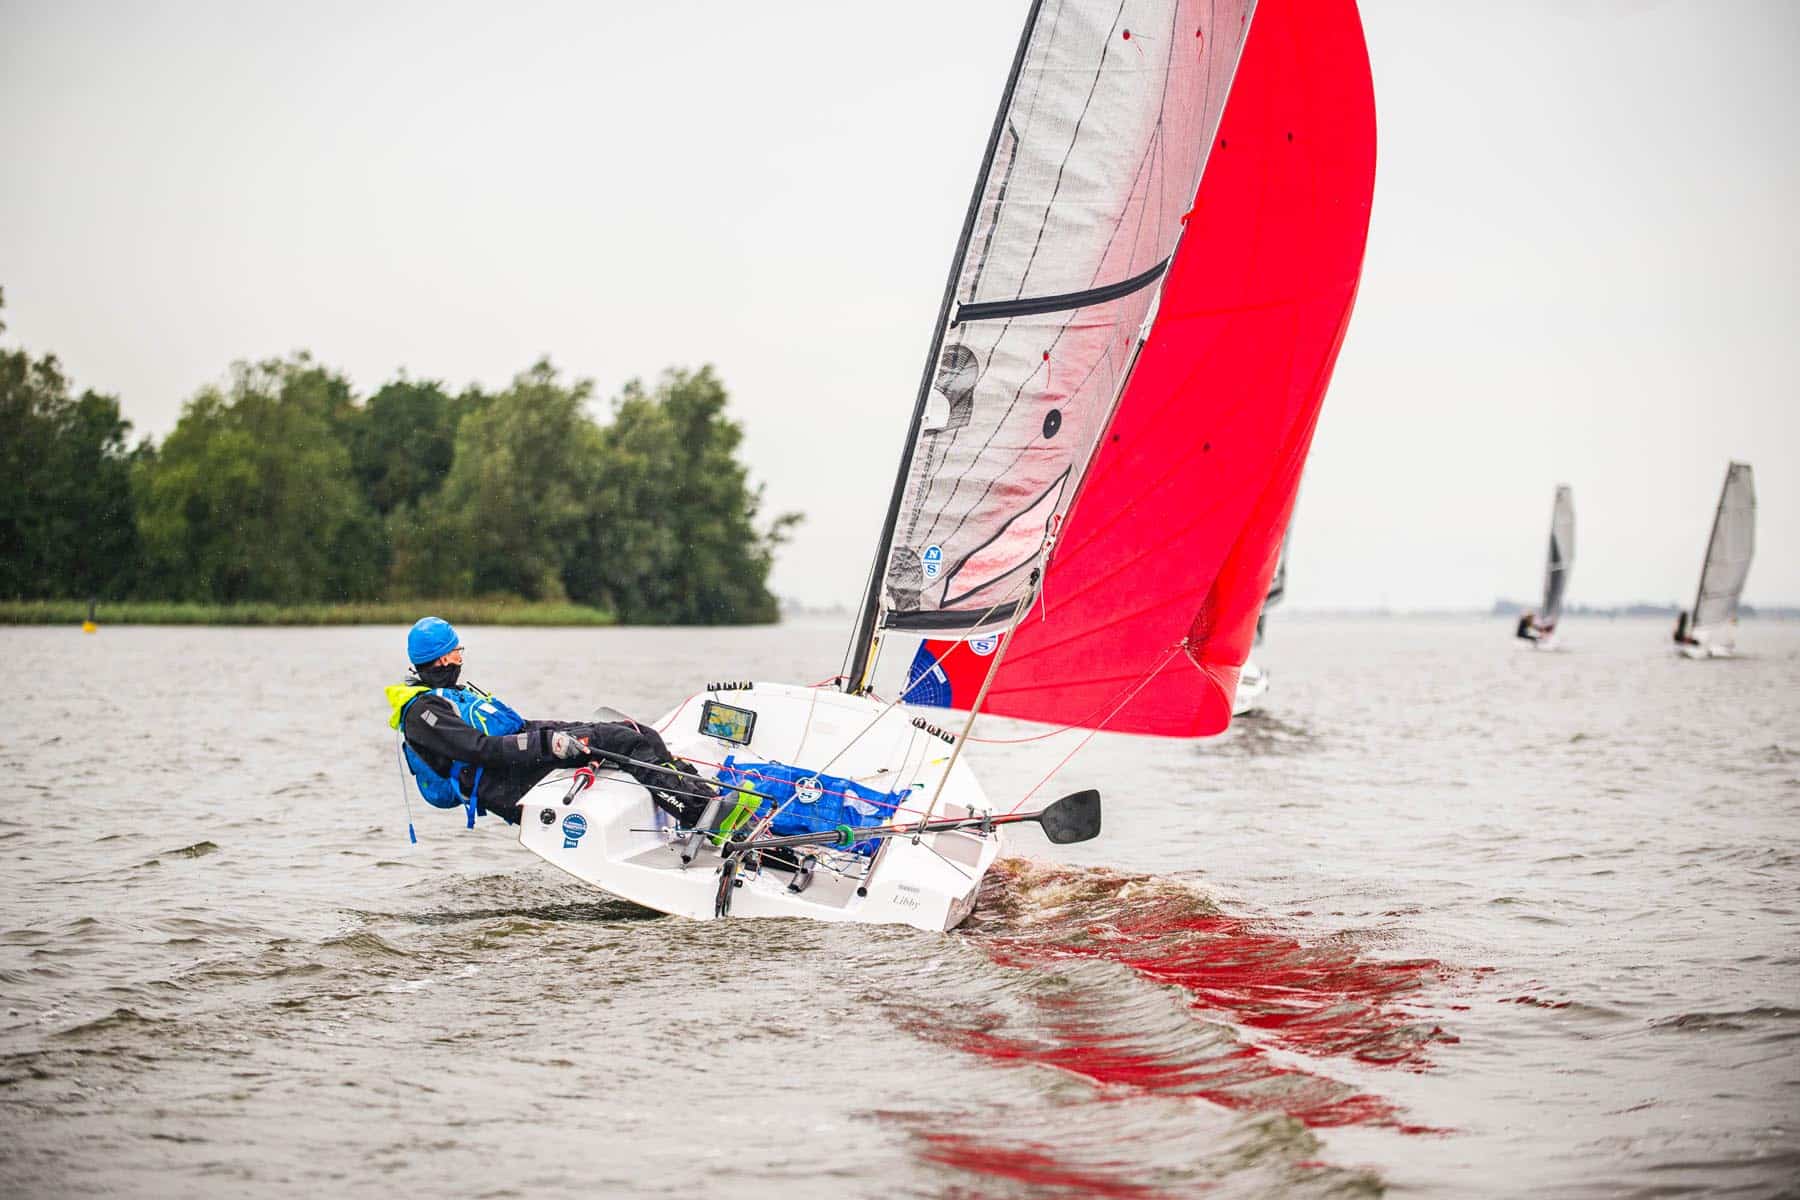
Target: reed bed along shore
{"points": [[395, 612]]}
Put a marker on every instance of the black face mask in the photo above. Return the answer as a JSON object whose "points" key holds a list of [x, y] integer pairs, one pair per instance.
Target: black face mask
{"points": [[438, 677]]}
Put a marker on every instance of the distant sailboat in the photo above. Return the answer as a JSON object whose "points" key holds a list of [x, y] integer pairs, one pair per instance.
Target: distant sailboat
{"points": [[1253, 681], [1709, 630], [1539, 628]]}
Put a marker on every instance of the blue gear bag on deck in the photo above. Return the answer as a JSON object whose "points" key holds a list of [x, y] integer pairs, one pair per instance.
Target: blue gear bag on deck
{"points": [[814, 803]]}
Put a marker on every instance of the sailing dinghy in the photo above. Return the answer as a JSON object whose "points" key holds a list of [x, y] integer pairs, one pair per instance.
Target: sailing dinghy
{"points": [[1709, 630], [1144, 306], [1539, 628]]}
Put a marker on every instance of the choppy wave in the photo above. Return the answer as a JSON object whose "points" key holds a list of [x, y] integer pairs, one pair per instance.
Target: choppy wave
{"points": [[1262, 1017]]}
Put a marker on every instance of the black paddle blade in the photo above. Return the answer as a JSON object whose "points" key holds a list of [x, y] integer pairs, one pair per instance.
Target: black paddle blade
{"points": [[1074, 818]]}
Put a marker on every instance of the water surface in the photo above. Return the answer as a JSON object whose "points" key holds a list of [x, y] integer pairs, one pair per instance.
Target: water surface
{"points": [[1451, 919]]}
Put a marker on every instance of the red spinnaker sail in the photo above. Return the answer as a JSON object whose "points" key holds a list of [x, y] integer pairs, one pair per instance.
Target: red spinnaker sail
{"points": [[1150, 598]]}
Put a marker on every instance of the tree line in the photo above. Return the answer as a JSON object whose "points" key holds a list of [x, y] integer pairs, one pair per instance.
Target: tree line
{"points": [[282, 484]]}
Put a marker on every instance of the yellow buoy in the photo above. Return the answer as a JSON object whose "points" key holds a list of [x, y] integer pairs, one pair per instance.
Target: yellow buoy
{"points": [[89, 627]]}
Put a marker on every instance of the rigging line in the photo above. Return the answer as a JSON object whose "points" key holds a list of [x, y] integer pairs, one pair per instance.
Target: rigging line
{"points": [[670, 719], [975, 708], [1084, 723], [892, 704], [1157, 670]]}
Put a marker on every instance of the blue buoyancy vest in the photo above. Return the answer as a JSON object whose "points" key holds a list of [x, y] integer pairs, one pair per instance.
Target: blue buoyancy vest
{"points": [[482, 712]]}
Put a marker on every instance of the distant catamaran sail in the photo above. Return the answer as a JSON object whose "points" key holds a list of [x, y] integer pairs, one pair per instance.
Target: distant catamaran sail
{"points": [[1539, 627], [1137, 611], [1710, 629]]}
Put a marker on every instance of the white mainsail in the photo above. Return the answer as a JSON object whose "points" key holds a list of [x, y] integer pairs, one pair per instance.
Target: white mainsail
{"points": [[1560, 558], [1728, 555], [1093, 165]]}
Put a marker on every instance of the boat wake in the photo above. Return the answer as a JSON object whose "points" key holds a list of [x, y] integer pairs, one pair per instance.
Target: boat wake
{"points": [[1259, 1022], [1259, 735]]}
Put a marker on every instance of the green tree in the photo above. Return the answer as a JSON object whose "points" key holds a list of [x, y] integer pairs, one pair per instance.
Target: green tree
{"points": [[252, 497], [405, 441], [510, 512], [672, 532], [65, 485]]}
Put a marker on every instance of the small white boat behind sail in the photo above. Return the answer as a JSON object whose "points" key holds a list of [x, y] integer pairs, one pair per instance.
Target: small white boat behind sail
{"points": [[1709, 630], [1142, 313], [1253, 682], [1539, 628]]}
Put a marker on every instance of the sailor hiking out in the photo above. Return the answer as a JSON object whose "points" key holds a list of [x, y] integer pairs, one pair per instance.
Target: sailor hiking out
{"points": [[467, 749], [1529, 629]]}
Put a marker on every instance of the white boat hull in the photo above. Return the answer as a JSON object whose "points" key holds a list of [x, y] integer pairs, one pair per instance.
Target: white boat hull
{"points": [[1252, 686], [622, 843]]}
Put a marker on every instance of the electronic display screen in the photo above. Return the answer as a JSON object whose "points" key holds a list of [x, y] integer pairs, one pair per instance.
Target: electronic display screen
{"points": [[727, 723]]}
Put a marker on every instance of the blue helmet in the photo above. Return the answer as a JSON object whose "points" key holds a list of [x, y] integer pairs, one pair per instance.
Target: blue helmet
{"points": [[430, 640]]}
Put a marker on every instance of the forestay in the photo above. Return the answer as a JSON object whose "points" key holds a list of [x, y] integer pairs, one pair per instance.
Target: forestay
{"points": [[1729, 551], [1561, 557], [1153, 587], [1100, 141]]}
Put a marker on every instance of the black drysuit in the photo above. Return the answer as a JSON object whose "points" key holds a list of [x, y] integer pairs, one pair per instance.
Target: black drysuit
{"points": [[511, 764]]}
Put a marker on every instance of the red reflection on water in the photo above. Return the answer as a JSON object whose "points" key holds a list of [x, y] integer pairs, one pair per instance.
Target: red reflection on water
{"points": [[1029, 1164], [1316, 1001], [1319, 1000], [1242, 1077]]}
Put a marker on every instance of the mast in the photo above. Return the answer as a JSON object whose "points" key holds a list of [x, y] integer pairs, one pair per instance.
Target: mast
{"points": [[862, 641], [1712, 535]]}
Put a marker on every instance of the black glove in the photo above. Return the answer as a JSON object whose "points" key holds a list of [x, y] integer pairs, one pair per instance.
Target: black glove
{"points": [[566, 746]]}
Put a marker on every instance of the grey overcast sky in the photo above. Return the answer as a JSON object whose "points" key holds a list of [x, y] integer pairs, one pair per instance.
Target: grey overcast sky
{"points": [[1584, 264]]}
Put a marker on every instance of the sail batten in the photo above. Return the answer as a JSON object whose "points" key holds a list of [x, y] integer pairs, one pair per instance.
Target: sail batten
{"points": [[996, 309]]}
